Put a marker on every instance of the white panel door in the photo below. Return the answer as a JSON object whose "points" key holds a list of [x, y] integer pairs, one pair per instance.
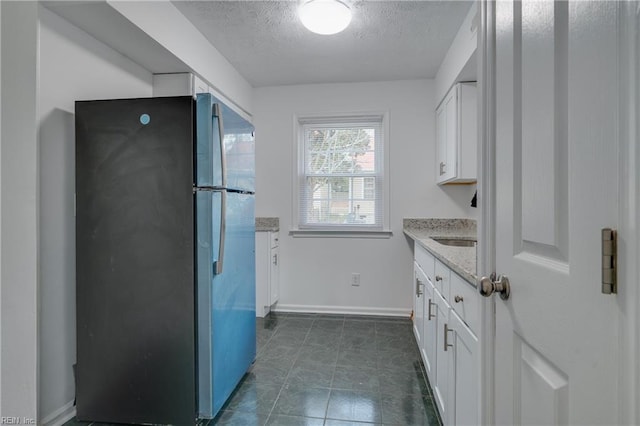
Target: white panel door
{"points": [[556, 343]]}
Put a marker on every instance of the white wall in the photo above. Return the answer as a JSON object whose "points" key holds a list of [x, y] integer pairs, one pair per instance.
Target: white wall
{"points": [[315, 272], [0, 219], [459, 63], [46, 65], [164, 23], [18, 195], [73, 66]]}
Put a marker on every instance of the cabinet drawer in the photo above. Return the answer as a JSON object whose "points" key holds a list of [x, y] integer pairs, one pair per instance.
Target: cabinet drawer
{"points": [[275, 237], [442, 277], [467, 304], [425, 260]]}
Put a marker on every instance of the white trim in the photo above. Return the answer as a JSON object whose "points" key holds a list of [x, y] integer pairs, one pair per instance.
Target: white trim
{"points": [[487, 204], [1, 140], [61, 415], [636, 237], [628, 216], [342, 310], [20, 185]]}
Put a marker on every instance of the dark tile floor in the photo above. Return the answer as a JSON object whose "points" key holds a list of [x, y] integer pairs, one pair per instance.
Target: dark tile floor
{"points": [[331, 370]]}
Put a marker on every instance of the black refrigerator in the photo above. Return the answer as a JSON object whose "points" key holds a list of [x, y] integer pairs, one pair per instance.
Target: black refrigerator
{"points": [[165, 288]]}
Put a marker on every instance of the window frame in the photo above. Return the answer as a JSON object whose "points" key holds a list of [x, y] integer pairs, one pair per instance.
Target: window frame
{"points": [[301, 122]]}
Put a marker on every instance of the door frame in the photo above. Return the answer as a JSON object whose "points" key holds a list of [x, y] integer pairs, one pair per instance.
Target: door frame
{"points": [[487, 203], [628, 207], [629, 210]]}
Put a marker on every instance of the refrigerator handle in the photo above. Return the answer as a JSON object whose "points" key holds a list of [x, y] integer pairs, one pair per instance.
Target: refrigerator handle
{"points": [[217, 112], [223, 230]]}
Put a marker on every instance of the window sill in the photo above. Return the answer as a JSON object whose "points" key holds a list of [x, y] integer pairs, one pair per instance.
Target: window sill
{"points": [[339, 233]]}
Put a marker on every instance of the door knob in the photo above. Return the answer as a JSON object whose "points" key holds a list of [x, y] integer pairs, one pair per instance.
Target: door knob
{"points": [[490, 285]]}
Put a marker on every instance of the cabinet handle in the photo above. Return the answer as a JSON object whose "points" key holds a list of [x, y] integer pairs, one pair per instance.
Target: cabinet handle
{"points": [[438, 278], [458, 299], [446, 333], [419, 287], [430, 314], [275, 259], [443, 168]]}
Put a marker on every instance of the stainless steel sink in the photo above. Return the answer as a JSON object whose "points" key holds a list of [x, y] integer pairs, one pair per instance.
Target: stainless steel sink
{"points": [[457, 242]]}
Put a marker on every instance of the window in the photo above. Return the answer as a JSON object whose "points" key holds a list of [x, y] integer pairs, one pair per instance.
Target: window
{"points": [[341, 183], [369, 188]]}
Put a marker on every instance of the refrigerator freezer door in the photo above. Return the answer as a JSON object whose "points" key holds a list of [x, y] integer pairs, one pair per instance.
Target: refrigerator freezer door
{"points": [[233, 300], [239, 146], [238, 141]]}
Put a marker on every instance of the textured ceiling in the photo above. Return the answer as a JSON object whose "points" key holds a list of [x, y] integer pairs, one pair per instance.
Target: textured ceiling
{"points": [[387, 40]]}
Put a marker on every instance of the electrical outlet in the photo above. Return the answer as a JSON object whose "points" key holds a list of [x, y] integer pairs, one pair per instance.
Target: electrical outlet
{"points": [[355, 279]]}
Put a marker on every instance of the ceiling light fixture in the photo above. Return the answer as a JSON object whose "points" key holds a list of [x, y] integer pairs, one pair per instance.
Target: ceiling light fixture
{"points": [[325, 17]]}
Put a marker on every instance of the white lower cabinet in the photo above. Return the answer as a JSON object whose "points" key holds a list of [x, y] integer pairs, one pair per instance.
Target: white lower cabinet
{"points": [[419, 280], [444, 357], [429, 341], [267, 271], [274, 268], [463, 373], [448, 346]]}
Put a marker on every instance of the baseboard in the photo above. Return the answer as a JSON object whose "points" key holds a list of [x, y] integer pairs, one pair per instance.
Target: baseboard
{"points": [[60, 416], [342, 310]]}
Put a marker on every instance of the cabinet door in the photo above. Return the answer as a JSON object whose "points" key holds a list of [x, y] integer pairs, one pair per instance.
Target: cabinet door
{"points": [[447, 137], [428, 348], [441, 143], [463, 377], [419, 280], [444, 357], [263, 274], [274, 275], [456, 135], [451, 169]]}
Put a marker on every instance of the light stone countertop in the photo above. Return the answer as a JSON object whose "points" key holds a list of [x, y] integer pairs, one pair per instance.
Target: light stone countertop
{"points": [[461, 260], [267, 224]]}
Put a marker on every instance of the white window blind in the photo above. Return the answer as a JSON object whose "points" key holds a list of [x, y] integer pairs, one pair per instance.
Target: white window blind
{"points": [[341, 176]]}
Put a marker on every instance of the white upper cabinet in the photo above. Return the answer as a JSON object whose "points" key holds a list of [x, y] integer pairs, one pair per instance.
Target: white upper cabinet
{"points": [[267, 271], [180, 84], [456, 135]]}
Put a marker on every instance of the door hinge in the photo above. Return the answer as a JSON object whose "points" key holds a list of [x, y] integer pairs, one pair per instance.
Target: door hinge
{"points": [[609, 261]]}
